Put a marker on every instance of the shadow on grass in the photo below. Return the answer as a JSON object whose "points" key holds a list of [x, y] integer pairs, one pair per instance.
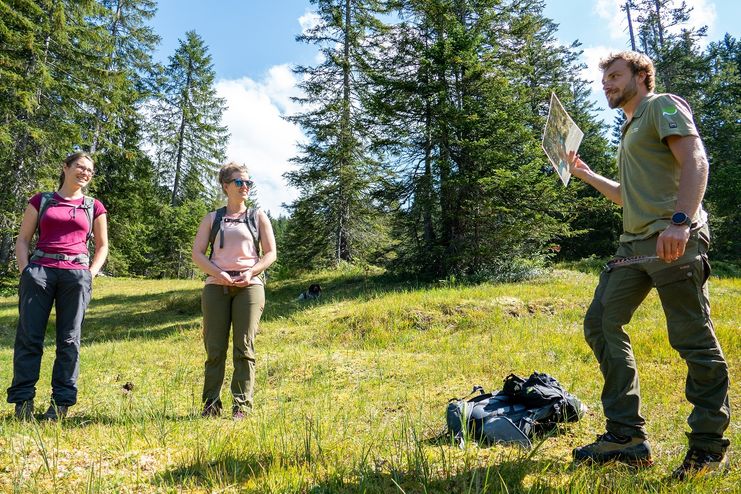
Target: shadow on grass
{"points": [[217, 473], [81, 421], [508, 476]]}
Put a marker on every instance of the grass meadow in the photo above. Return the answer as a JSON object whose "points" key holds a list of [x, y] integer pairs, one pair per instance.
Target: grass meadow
{"points": [[351, 391]]}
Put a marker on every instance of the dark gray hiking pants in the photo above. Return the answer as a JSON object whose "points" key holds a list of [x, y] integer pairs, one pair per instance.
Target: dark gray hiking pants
{"points": [[683, 292], [40, 288], [231, 311]]}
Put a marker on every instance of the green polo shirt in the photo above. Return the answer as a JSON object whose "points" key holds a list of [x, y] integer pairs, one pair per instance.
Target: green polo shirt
{"points": [[648, 171]]}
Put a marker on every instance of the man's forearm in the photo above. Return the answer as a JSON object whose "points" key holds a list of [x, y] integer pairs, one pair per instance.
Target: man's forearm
{"points": [[608, 188], [693, 179]]}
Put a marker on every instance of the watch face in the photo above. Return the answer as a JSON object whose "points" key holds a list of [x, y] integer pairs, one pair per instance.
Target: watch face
{"points": [[679, 218]]}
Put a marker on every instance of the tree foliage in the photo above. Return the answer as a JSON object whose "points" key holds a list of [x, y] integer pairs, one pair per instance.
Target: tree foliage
{"points": [[338, 215], [423, 121]]}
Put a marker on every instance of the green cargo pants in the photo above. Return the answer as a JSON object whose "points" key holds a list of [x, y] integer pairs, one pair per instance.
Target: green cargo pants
{"points": [[683, 292], [239, 309]]}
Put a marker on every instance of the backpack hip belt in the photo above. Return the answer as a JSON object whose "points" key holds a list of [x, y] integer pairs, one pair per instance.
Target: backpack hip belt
{"points": [[82, 259]]}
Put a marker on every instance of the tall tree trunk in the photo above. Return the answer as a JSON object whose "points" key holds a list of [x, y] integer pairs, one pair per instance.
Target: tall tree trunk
{"points": [[111, 58], [630, 26], [343, 252], [181, 135]]}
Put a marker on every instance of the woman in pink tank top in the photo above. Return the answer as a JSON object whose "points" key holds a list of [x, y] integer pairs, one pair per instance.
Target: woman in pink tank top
{"points": [[233, 297], [58, 272]]}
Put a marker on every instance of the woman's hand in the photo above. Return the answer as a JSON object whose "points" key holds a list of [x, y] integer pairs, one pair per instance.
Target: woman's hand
{"points": [[224, 279], [244, 279]]}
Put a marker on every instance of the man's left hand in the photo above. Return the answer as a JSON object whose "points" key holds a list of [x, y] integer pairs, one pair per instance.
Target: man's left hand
{"points": [[672, 242]]}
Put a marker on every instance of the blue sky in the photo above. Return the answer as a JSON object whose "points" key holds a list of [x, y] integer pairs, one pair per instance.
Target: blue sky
{"points": [[253, 46]]}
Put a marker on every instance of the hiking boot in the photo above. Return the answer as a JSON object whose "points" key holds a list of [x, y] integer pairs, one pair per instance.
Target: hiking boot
{"points": [[24, 411], [634, 451], [55, 412], [211, 408], [698, 462]]}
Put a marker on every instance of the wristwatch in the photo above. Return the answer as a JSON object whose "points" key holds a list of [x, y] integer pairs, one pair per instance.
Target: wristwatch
{"points": [[679, 219]]}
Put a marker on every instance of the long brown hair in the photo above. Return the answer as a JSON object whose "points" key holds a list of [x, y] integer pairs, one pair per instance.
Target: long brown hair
{"points": [[71, 159]]}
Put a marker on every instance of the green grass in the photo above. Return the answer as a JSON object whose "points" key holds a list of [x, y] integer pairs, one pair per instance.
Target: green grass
{"points": [[351, 391]]}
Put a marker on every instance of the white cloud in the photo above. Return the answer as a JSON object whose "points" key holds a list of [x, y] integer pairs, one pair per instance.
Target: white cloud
{"points": [[617, 22], [260, 137], [703, 14], [309, 20]]}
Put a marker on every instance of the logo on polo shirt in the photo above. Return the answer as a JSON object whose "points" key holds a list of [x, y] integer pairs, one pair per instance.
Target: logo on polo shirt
{"points": [[668, 112]]}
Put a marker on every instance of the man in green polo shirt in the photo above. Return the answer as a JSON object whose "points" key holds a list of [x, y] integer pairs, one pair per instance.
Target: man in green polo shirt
{"points": [[663, 174]]}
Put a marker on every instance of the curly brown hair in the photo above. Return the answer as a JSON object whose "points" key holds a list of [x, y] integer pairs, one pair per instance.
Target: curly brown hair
{"points": [[638, 62]]}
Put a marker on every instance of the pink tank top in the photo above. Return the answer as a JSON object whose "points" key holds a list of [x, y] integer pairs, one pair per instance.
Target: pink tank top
{"points": [[238, 253]]}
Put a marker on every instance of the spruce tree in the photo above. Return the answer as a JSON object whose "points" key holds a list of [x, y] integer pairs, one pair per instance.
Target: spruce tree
{"points": [[185, 123], [463, 94], [337, 215]]}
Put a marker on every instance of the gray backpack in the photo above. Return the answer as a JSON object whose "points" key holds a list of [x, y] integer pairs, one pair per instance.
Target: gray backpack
{"points": [[513, 415]]}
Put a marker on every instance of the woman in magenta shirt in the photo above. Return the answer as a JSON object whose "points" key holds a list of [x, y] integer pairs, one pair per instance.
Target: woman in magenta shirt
{"points": [[57, 272], [234, 296]]}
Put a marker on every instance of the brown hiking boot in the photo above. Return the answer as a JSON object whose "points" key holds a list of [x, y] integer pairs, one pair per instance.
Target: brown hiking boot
{"points": [[608, 447], [698, 462]]}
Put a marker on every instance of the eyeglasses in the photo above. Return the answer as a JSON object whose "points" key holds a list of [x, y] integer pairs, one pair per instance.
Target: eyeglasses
{"points": [[84, 169], [241, 183]]}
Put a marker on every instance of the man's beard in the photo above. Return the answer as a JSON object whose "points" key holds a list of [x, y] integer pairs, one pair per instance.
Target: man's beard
{"points": [[625, 95]]}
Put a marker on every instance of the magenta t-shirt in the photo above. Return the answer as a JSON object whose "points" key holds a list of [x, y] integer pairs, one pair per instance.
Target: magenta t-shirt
{"points": [[64, 229]]}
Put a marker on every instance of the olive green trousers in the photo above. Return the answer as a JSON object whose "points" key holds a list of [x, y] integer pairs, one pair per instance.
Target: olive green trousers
{"points": [[683, 291], [231, 311]]}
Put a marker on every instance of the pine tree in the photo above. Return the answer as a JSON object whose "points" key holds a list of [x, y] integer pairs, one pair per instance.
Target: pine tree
{"points": [[185, 124], [125, 179], [337, 215]]}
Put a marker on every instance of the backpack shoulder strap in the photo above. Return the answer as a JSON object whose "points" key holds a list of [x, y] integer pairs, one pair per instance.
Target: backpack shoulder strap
{"points": [[253, 225], [88, 204], [215, 227], [47, 200]]}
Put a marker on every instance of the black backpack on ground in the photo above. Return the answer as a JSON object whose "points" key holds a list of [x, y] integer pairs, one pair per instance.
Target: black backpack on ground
{"points": [[513, 415]]}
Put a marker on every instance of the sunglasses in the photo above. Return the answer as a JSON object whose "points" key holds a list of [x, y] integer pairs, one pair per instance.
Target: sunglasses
{"points": [[241, 183]]}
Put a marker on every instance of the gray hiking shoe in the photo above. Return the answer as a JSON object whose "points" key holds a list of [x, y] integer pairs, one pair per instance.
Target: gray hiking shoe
{"points": [[55, 412], [698, 462], [609, 447], [24, 411]]}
